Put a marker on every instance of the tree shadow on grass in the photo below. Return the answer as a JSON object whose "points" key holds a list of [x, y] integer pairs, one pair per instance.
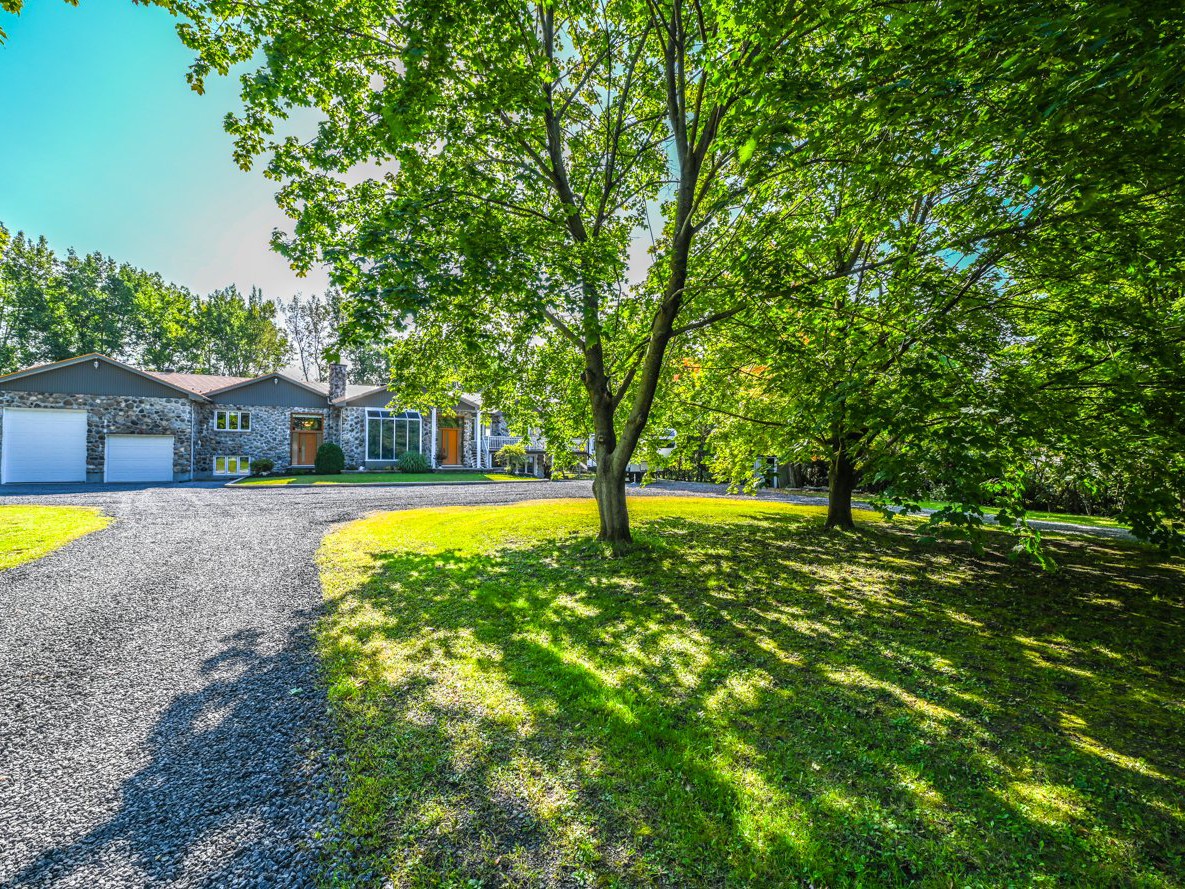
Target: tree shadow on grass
{"points": [[762, 703], [230, 794]]}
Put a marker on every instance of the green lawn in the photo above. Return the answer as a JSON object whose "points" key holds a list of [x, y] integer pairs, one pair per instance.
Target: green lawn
{"points": [[748, 700], [1091, 521], [1036, 515], [370, 478], [30, 532]]}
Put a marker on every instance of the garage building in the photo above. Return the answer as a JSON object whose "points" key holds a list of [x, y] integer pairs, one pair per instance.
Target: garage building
{"points": [[94, 419]]}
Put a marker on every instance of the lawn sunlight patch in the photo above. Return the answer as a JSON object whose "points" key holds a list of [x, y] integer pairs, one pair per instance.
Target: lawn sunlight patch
{"points": [[745, 699], [30, 532]]}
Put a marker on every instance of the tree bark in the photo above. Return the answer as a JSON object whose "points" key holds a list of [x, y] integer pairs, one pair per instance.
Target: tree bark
{"points": [[609, 488], [841, 480]]}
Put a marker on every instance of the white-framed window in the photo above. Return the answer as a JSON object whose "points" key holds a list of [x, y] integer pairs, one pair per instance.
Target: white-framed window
{"points": [[390, 434], [232, 421], [232, 465]]}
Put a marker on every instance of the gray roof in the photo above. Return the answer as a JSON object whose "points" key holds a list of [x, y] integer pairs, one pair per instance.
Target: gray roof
{"points": [[199, 383]]}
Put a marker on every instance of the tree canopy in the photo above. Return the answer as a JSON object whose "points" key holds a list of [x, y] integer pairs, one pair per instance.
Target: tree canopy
{"points": [[53, 308], [313, 325], [851, 204]]}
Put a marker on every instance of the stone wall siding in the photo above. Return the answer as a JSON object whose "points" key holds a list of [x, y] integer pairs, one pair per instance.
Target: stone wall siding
{"points": [[353, 436], [192, 425], [116, 415], [270, 435]]}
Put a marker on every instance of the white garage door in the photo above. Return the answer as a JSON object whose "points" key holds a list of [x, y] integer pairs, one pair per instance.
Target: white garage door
{"points": [[139, 458], [43, 446]]}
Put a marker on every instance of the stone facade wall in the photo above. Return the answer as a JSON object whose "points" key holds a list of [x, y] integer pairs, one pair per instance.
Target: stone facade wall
{"points": [[353, 435], [192, 426], [468, 442], [117, 415], [426, 436], [270, 435]]}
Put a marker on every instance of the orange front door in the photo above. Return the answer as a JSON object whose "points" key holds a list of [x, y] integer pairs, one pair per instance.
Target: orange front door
{"points": [[304, 447], [449, 446]]}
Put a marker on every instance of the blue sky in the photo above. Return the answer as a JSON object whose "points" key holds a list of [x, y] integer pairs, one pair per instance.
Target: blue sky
{"points": [[103, 146]]}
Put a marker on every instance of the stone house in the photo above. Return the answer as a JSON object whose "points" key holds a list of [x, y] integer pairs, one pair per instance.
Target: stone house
{"points": [[93, 418]]}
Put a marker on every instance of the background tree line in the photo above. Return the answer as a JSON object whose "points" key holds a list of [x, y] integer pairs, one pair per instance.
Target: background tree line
{"points": [[55, 307]]}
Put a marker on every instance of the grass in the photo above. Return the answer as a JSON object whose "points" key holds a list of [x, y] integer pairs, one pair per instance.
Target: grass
{"points": [[30, 532], [1090, 521], [747, 700], [370, 478], [1036, 515]]}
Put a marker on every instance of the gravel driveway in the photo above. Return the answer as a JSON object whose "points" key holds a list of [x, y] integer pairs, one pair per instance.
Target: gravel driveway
{"points": [[159, 716]]}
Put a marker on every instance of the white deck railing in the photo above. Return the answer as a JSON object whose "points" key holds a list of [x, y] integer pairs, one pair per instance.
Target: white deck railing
{"points": [[495, 443]]}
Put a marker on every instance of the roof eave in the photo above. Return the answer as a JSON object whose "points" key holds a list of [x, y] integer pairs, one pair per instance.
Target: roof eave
{"points": [[345, 401], [97, 356], [275, 375]]}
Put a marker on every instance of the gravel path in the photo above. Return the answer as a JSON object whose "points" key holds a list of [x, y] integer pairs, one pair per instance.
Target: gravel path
{"points": [[160, 722]]}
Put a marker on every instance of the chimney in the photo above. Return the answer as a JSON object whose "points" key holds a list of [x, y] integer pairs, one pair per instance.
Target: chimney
{"points": [[337, 381]]}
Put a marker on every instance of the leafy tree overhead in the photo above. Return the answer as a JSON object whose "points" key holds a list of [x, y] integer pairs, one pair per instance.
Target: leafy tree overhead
{"points": [[943, 362], [533, 143]]}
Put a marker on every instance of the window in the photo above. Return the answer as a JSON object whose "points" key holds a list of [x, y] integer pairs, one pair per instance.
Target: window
{"points": [[237, 465], [232, 421], [307, 423], [389, 434]]}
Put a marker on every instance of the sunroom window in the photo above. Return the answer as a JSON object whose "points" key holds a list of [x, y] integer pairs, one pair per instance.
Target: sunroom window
{"points": [[390, 434]]}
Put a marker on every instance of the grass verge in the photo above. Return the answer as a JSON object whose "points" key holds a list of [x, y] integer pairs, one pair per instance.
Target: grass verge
{"points": [[372, 478], [30, 532], [747, 700], [1068, 518]]}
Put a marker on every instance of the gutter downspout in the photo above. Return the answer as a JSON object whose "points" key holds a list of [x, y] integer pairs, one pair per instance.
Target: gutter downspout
{"points": [[192, 437]]}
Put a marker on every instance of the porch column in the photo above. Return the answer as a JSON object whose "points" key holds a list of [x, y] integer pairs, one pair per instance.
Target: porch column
{"points": [[477, 437], [432, 447]]}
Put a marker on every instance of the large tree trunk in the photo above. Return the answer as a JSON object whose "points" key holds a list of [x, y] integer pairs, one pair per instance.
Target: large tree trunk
{"points": [[609, 488], [841, 480]]}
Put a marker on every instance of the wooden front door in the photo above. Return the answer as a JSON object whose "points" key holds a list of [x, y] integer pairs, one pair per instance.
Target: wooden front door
{"points": [[307, 435], [449, 446], [304, 448]]}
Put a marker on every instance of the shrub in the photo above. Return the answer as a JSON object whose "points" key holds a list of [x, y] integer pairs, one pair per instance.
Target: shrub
{"points": [[413, 461], [262, 466], [330, 459], [512, 456]]}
